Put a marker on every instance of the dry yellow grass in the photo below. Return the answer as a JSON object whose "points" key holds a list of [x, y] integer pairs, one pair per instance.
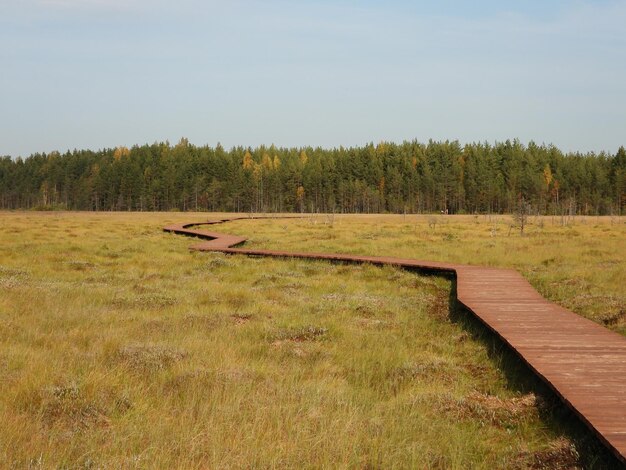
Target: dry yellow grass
{"points": [[120, 349], [581, 265]]}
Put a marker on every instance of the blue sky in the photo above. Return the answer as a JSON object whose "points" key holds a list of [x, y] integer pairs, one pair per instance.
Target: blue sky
{"points": [[102, 73]]}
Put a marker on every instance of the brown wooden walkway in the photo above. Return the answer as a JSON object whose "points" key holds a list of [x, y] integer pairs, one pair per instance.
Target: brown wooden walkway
{"points": [[583, 362]]}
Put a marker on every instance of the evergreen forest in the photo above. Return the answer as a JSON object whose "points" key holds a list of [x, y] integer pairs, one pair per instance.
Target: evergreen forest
{"points": [[410, 177]]}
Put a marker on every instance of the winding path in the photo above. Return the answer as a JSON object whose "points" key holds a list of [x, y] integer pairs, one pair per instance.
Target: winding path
{"points": [[581, 361]]}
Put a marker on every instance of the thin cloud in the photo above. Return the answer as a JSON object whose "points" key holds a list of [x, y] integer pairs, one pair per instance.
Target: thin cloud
{"points": [[106, 5], [134, 5], [86, 3]]}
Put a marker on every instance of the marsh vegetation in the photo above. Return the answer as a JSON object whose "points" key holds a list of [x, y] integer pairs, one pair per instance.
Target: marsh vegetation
{"points": [[578, 262], [121, 349]]}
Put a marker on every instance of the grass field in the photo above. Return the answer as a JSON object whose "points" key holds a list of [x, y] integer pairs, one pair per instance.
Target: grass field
{"points": [[581, 265], [120, 349]]}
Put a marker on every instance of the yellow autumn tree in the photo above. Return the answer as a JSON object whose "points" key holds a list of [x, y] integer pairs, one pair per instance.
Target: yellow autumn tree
{"points": [[248, 163], [300, 197], [547, 176], [120, 152], [267, 163]]}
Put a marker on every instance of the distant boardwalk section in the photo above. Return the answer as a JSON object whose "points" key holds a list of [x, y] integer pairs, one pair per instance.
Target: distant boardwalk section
{"points": [[583, 362]]}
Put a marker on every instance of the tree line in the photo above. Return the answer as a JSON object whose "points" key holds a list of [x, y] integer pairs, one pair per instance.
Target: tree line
{"points": [[410, 177]]}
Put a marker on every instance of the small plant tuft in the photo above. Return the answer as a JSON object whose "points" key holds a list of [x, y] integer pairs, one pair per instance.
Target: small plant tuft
{"points": [[304, 333], [150, 357]]}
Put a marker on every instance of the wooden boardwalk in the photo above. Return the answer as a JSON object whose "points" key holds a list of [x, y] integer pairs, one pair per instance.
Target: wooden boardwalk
{"points": [[581, 361]]}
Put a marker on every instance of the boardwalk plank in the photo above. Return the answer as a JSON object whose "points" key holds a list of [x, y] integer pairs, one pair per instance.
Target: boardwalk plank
{"points": [[584, 363]]}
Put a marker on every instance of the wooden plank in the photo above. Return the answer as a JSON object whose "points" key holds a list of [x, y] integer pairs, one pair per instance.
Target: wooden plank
{"points": [[583, 362]]}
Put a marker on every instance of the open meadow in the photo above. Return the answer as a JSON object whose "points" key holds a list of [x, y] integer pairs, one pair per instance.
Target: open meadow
{"points": [[579, 263], [121, 349]]}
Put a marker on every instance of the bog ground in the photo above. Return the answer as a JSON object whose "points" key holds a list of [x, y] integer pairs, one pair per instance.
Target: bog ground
{"points": [[121, 348]]}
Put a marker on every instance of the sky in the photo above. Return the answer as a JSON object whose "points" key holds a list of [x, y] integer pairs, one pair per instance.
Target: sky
{"points": [[103, 73]]}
